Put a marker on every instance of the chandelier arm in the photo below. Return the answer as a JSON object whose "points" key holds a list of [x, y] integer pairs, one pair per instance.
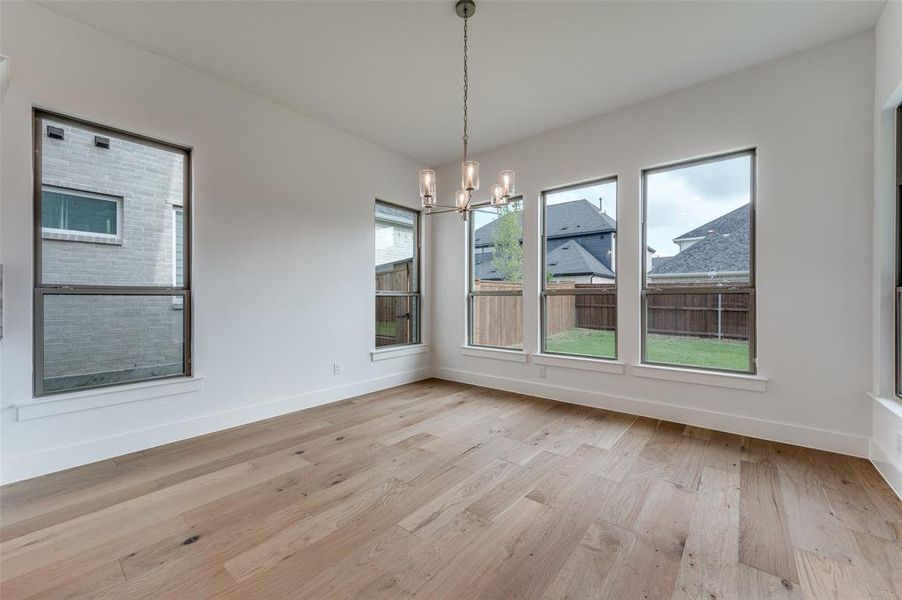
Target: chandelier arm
{"points": [[440, 209]]}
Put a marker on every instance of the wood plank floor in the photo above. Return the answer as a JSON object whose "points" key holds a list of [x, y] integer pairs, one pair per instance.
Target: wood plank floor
{"points": [[439, 490]]}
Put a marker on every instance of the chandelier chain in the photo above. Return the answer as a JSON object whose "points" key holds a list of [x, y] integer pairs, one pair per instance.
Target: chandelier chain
{"points": [[466, 87]]}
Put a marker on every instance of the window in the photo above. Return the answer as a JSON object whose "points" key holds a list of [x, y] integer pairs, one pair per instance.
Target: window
{"points": [[898, 306], [579, 285], [496, 277], [699, 277], [397, 275], [79, 216], [111, 257]]}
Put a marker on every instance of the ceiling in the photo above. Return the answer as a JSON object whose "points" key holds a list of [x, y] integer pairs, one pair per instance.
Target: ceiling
{"points": [[390, 72]]}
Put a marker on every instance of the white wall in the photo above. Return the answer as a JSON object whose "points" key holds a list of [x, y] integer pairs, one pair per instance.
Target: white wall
{"points": [[283, 244], [887, 410], [810, 116]]}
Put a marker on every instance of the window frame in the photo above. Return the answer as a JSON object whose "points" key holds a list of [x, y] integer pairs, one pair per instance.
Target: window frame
{"points": [[417, 270], [749, 289], [544, 293], [472, 293], [54, 233], [897, 292], [42, 289]]}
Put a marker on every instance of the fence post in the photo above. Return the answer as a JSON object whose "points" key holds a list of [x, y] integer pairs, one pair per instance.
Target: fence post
{"points": [[720, 316]]}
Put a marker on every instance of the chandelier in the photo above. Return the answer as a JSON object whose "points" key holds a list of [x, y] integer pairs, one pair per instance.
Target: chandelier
{"points": [[501, 192]]}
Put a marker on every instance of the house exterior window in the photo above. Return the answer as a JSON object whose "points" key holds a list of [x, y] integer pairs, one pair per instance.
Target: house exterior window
{"points": [[495, 288], [79, 216], [579, 281], [698, 297], [398, 299], [111, 257]]}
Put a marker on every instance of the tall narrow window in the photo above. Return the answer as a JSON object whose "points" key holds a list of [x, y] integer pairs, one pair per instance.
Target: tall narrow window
{"points": [[579, 281], [397, 275], [898, 298], [699, 277], [111, 257], [496, 277]]}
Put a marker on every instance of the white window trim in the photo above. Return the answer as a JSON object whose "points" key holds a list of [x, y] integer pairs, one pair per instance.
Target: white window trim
{"points": [[738, 381], [600, 365], [71, 234], [495, 353], [60, 404], [418, 235], [397, 351]]}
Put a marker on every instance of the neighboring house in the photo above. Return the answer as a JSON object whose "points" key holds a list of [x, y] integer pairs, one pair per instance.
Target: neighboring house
{"points": [[715, 251], [394, 235], [110, 215], [580, 244], [394, 243]]}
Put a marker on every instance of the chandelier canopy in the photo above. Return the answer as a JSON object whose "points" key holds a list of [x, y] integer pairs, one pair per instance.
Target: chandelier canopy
{"points": [[500, 193]]}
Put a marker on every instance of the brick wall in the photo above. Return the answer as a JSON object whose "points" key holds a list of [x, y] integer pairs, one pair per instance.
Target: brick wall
{"points": [[92, 339]]}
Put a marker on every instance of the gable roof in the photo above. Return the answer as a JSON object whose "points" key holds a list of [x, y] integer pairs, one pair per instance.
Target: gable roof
{"points": [[576, 218], [734, 221], [716, 252], [579, 217], [571, 258]]}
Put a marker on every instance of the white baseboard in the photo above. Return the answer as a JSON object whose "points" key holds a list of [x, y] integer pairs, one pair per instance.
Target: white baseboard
{"points": [[887, 426], [800, 435], [886, 466], [58, 459]]}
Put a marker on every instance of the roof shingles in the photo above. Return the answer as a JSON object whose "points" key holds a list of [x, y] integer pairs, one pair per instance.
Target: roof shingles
{"points": [[724, 247]]}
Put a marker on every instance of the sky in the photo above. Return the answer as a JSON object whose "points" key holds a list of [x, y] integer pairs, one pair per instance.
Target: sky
{"points": [[679, 199]]}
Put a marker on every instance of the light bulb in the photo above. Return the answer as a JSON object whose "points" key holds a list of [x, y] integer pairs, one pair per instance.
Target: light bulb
{"points": [[506, 179], [427, 187], [497, 194], [462, 198], [469, 175]]}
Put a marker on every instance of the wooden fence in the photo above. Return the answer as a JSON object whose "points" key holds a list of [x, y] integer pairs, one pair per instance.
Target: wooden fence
{"points": [[394, 314], [596, 311], [498, 320], [700, 315]]}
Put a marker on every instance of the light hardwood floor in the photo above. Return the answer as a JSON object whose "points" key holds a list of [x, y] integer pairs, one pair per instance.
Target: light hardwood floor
{"points": [[439, 490]]}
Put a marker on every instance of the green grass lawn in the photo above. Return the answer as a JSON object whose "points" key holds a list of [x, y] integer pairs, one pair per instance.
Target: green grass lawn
{"points": [[587, 342], [386, 328], [668, 349]]}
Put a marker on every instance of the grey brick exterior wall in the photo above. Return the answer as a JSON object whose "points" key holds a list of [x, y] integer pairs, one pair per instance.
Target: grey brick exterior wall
{"points": [[99, 339]]}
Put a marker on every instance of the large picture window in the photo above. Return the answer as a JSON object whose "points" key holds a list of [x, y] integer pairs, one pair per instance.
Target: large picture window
{"points": [[397, 275], [699, 277], [496, 277], [579, 281], [112, 268]]}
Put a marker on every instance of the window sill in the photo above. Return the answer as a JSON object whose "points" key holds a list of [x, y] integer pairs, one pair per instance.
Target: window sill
{"points": [[73, 236], [750, 383], [601, 365], [90, 399], [387, 353], [494, 353]]}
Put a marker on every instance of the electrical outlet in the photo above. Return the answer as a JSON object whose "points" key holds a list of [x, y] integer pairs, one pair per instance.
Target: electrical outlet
{"points": [[542, 372], [336, 368]]}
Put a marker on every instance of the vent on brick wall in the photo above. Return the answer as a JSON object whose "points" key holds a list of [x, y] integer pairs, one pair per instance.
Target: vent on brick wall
{"points": [[55, 132], [101, 142]]}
